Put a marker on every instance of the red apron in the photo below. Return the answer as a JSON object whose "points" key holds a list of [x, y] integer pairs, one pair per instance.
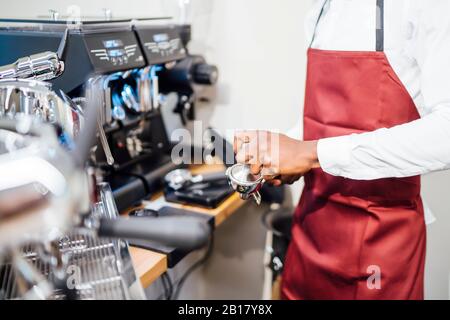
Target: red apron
{"points": [[346, 233]]}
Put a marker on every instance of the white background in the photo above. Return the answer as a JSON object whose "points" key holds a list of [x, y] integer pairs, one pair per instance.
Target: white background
{"points": [[259, 47]]}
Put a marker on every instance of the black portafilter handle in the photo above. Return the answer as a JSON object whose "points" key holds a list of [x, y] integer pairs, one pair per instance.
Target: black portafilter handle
{"points": [[212, 177], [205, 73], [187, 233]]}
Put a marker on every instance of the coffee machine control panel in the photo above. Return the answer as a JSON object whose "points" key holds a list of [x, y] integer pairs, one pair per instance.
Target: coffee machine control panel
{"points": [[161, 44], [114, 51]]}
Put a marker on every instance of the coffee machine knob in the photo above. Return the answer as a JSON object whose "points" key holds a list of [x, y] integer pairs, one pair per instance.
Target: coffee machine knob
{"points": [[204, 73]]}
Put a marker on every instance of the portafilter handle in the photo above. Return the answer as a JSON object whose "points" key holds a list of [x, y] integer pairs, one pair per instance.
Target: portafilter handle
{"points": [[188, 233], [40, 66]]}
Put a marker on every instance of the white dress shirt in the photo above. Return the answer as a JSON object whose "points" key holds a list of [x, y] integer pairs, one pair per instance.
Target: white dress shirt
{"points": [[417, 45]]}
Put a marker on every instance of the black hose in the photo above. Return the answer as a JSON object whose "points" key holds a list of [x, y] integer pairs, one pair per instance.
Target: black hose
{"points": [[165, 288], [168, 286], [193, 268]]}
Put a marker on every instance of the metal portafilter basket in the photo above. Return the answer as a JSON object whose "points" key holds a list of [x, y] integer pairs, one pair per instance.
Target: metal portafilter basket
{"points": [[244, 182]]}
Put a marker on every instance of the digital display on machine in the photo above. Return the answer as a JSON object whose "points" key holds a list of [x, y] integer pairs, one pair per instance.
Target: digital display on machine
{"points": [[112, 43], [116, 53], [161, 37]]}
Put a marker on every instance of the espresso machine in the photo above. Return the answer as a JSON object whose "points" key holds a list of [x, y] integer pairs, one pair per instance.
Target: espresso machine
{"points": [[125, 67], [124, 105]]}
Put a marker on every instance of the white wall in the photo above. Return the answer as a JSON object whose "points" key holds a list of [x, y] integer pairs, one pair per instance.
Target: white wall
{"points": [[30, 9], [259, 48], [436, 188]]}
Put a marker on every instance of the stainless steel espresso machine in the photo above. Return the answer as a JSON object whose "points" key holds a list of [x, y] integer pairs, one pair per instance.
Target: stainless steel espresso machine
{"points": [[126, 67], [114, 67]]}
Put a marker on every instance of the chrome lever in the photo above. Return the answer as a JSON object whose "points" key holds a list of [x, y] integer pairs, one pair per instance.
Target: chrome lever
{"points": [[95, 97], [105, 144]]}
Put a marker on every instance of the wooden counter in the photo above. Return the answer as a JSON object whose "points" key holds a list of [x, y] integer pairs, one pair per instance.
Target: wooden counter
{"points": [[151, 265]]}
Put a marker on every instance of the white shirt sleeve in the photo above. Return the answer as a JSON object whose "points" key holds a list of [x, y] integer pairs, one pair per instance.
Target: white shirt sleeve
{"points": [[414, 148]]}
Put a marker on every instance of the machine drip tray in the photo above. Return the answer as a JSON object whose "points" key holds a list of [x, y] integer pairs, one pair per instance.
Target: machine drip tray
{"points": [[174, 255]]}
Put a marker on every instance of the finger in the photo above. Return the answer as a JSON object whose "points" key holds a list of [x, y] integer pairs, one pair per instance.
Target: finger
{"points": [[273, 181], [242, 154], [293, 179], [242, 157], [247, 154], [266, 160], [268, 168], [269, 172], [255, 168], [241, 137], [271, 177], [276, 182]]}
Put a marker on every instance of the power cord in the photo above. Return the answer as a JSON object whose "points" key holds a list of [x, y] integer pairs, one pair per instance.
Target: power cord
{"points": [[168, 286], [166, 290], [194, 267]]}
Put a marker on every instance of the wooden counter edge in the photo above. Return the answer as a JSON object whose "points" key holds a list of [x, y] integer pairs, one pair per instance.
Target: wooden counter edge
{"points": [[221, 213], [149, 265]]}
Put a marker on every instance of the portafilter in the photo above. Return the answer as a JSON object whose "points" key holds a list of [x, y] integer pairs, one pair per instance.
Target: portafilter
{"points": [[243, 181]]}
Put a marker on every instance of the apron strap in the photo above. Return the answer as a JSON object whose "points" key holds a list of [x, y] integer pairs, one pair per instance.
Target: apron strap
{"points": [[380, 25], [317, 22], [379, 45]]}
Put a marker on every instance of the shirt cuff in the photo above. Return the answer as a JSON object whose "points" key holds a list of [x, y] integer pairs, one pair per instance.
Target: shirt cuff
{"points": [[334, 154]]}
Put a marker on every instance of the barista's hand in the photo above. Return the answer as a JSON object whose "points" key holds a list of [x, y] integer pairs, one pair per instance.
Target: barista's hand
{"points": [[286, 179], [275, 155]]}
